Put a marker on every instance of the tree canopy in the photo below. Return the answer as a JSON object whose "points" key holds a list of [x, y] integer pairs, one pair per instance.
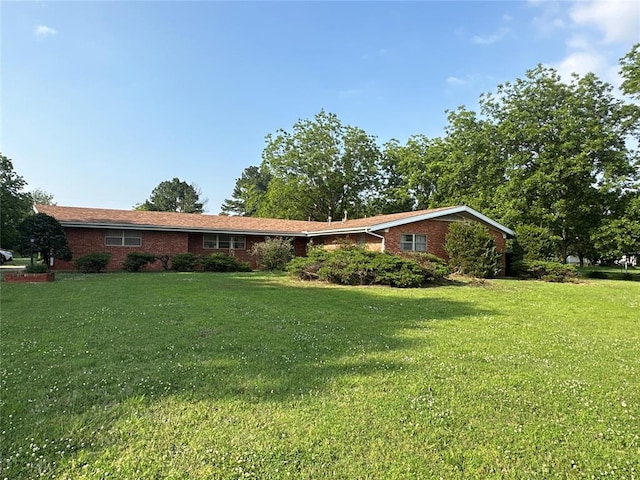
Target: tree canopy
{"points": [[174, 196], [319, 170], [248, 193], [48, 235], [40, 197], [15, 203]]}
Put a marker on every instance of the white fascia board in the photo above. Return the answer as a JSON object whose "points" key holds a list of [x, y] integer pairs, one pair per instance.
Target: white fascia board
{"points": [[160, 228], [443, 213], [336, 231]]}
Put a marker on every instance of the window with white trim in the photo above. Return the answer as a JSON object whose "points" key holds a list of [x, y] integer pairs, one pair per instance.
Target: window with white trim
{"points": [[410, 242], [123, 238], [222, 241]]}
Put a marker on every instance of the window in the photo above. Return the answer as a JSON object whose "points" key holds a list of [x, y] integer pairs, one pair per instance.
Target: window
{"points": [[234, 242], [123, 238], [410, 242], [362, 239]]}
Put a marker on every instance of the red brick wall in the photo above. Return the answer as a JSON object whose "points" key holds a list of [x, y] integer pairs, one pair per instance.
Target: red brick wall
{"points": [[88, 240], [436, 231], [196, 242]]}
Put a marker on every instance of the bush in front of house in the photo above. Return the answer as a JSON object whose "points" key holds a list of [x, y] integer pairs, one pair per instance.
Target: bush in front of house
{"points": [[352, 265], [184, 262], [436, 267], [472, 250], [221, 262], [307, 268], [548, 271], [273, 253], [93, 262], [136, 261], [396, 271], [348, 265]]}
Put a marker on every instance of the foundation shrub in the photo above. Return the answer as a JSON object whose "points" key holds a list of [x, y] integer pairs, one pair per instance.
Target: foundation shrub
{"points": [[435, 267], [136, 261], [352, 265], [93, 262], [307, 268], [472, 250], [273, 253], [184, 262], [221, 262]]}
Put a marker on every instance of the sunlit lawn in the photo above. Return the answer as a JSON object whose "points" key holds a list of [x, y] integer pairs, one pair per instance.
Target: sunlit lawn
{"points": [[257, 376]]}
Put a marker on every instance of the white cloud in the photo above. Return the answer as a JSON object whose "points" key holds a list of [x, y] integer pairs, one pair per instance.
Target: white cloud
{"points": [[578, 42], [456, 81], [492, 38], [619, 20], [44, 31], [580, 63]]}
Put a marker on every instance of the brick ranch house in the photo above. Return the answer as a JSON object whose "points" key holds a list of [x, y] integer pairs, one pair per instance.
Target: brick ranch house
{"points": [[167, 233]]}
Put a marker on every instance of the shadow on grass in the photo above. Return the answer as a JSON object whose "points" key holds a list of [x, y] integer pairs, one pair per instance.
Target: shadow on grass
{"points": [[89, 343]]}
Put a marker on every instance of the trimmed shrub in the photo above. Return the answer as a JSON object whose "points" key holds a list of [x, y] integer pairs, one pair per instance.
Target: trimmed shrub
{"points": [[307, 268], [396, 271], [136, 261], [348, 266], [352, 265], [435, 267], [221, 262], [549, 271], [184, 262], [472, 250], [93, 262], [273, 253], [36, 268]]}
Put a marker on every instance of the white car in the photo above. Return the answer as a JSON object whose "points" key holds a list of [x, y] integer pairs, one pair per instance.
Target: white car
{"points": [[5, 255]]}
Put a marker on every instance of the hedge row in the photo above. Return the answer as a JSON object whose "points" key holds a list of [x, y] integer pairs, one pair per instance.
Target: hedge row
{"points": [[96, 262], [353, 265]]}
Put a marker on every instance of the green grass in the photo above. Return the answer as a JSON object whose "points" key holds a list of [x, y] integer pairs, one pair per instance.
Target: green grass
{"points": [[165, 375]]}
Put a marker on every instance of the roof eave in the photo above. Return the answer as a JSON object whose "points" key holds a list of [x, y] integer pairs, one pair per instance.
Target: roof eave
{"points": [[444, 213], [164, 228]]}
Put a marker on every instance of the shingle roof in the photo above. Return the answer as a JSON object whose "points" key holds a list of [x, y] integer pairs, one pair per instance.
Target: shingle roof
{"points": [[100, 217], [107, 218]]}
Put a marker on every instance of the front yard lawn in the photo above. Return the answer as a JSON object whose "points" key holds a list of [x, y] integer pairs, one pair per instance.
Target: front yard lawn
{"points": [[193, 375]]}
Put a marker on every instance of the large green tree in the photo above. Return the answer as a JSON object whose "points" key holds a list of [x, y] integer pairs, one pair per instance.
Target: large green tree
{"points": [[15, 203], [48, 237], [320, 169], [564, 152], [174, 196], [465, 166], [248, 193], [630, 71], [620, 234], [404, 186], [40, 197]]}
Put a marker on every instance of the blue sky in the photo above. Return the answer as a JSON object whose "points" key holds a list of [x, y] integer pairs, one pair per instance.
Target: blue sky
{"points": [[102, 101]]}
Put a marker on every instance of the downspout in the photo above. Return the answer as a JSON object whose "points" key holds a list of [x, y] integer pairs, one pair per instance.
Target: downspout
{"points": [[376, 235]]}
